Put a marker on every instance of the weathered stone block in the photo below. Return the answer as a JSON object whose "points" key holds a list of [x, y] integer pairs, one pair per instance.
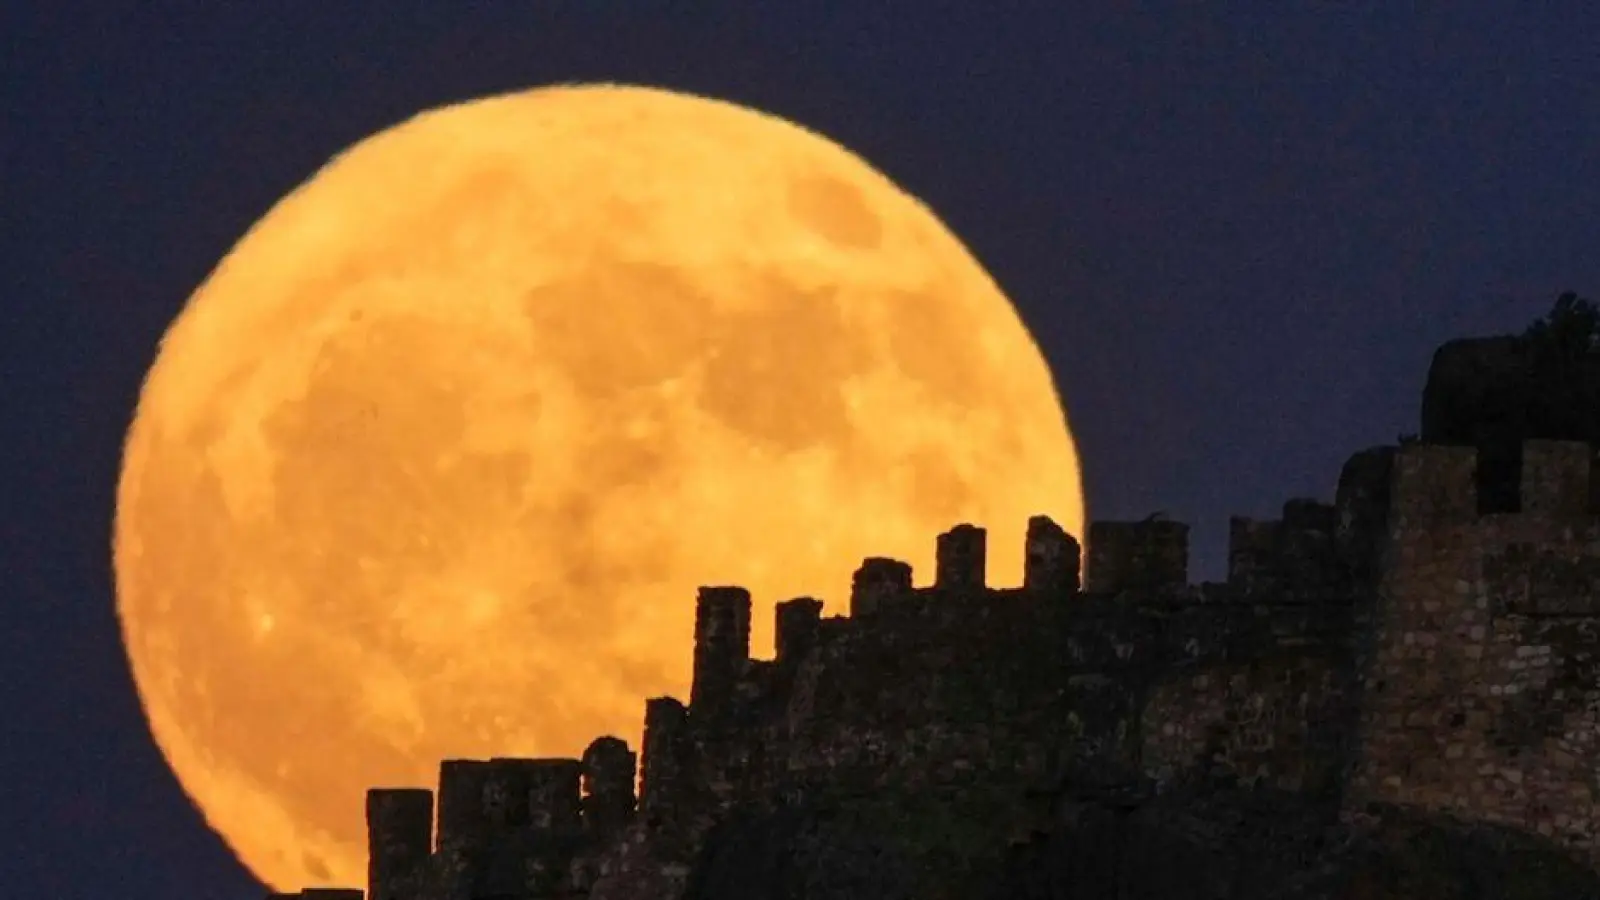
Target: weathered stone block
{"points": [[462, 829], [399, 839], [554, 798], [1435, 485], [1052, 558], [798, 622], [721, 648], [878, 579], [609, 768], [961, 558], [1131, 556]]}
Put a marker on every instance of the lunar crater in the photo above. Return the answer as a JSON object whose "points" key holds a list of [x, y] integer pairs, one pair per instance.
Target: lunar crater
{"points": [[470, 415], [835, 209]]}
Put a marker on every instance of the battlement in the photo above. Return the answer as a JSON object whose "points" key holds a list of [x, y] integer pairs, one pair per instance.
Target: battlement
{"points": [[911, 677], [721, 648], [1297, 551], [877, 581], [399, 839], [1483, 663], [1151, 555], [609, 769], [961, 556], [1052, 558], [666, 728], [1051, 563], [1145, 560], [1443, 485], [498, 823], [1426, 641], [502, 824], [798, 623]]}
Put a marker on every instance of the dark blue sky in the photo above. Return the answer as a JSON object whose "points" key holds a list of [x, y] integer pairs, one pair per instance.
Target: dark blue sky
{"points": [[1238, 236]]}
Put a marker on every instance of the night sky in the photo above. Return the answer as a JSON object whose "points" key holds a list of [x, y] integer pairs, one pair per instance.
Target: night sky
{"points": [[1237, 237]]}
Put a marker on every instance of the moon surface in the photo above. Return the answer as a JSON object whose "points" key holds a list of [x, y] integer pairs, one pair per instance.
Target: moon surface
{"points": [[432, 463]]}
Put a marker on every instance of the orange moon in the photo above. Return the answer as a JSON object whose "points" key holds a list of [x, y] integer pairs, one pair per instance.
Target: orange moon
{"points": [[433, 461]]}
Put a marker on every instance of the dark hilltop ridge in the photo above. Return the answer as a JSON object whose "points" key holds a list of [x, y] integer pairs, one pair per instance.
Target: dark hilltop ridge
{"points": [[1395, 694]]}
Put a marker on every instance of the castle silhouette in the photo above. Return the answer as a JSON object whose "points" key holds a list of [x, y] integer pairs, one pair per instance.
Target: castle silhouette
{"points": [[1426, 642]]}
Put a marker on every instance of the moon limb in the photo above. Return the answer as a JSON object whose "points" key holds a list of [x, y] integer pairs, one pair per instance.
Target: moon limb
{"points": [[692, 353]]}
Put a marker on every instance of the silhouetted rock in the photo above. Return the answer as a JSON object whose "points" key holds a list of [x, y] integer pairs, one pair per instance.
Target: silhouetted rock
{"points": [[1508, 389]]}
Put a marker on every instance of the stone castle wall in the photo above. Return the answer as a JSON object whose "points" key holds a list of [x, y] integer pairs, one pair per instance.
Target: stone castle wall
{"points": [[1482, 701], [1393, 647]]}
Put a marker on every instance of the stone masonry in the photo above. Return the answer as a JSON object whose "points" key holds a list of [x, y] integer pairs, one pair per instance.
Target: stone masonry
{"points": [[1393, 647], [1483, 699], [1427, 642]]}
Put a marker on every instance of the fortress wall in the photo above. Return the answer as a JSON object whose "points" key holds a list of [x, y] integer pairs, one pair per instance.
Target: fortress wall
{"points": [[399, 841], [1481, 700], [954, 690], [930, 687], [1362, 502], [1269, 722], [909, 707], [1151, 555], [1296, 553]]}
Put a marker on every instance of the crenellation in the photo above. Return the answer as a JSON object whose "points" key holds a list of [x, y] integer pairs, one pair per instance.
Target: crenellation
{"points": [[1051, 558], [721, 649], [1428, 642], [1481, 693], [666, 732], [1151, 555], [1253, 553], [554, 796], [961, 558], [799, 622], [507, 783], [1004, 687], [461, 830], [878, 580], [755, 694], [1309, 554], [399, 840], [1297, 553], [609, 771], [1362, 503], [1434, 485]]}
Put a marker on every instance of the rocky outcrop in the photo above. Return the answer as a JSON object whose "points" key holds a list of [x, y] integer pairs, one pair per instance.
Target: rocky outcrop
{"points": [[1509, 389]]}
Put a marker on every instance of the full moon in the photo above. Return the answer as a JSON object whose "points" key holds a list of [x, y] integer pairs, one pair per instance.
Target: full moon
{"points": [[433, 461]]}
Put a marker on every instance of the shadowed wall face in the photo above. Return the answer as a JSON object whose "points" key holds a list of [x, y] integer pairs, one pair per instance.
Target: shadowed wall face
{"points": [[1051, 558], [609, 768], [1137, 556], [1479, 703], [960, 556], [876, 581], [399, 840], [721, 647], [798, 621]]}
